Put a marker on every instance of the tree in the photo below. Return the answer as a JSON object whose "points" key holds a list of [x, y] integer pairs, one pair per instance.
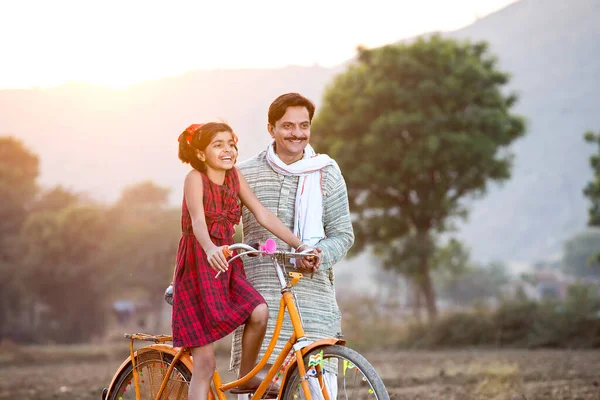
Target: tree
{"points": [[592, 190], [18, 174], [140, 252], [144, 195], [63, 273], [475, 282], [54, 199], [450, 264], [417, 129], [452, 260], [579, 251]]}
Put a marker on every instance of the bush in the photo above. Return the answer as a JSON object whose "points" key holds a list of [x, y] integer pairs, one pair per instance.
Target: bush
{"points": [[573, 323], [514, 321], [369, 325], [454, 330]]}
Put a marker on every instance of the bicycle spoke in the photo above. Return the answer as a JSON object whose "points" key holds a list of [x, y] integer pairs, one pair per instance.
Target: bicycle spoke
{"points": [[346, 376], [151, 373]]}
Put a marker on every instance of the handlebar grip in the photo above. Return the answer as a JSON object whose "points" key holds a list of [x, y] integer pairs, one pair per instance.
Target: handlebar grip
{"points": [[226, 252]]}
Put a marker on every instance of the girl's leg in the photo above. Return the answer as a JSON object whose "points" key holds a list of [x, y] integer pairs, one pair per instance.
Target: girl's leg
{"points": [[204, 368], [252, 338]]}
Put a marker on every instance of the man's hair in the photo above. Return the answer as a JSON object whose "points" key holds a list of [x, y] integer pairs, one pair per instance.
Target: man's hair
{"points": [[279, 106]]}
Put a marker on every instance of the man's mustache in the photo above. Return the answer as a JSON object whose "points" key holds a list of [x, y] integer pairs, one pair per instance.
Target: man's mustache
{"points": [[296, 138]]}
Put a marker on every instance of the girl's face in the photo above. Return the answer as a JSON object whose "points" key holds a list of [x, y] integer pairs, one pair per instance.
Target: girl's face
{"points": [[221, 153]]}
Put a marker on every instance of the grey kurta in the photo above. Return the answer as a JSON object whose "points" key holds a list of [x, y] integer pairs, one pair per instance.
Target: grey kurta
{"points": [[315, 297]]}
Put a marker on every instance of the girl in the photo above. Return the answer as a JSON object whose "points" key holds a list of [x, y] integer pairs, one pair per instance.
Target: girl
{"points": [[205, 308]]}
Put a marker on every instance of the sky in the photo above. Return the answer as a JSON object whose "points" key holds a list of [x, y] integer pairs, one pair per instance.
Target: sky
{"points": [[118, 43]]}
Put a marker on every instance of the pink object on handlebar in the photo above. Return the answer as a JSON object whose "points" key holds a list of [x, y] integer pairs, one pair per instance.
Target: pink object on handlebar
{"points": [[270, 246]]}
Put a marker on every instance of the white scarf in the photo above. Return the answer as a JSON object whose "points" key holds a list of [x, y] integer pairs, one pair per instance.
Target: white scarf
{"points": [[308, 213]]}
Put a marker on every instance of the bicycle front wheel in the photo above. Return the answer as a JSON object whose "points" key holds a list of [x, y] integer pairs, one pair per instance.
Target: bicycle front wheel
{"points": [[152, 368], [345, 373]]}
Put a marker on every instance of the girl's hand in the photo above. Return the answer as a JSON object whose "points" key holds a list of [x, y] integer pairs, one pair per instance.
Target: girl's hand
{"points": [[216, 258]]}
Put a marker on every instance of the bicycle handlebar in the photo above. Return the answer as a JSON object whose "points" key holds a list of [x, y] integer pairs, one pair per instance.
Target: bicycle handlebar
{"points": [[268, 249], [255, 251], [258, 252]]}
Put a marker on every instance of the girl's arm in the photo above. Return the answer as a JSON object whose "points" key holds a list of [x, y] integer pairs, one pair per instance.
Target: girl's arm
{"points": [[265, 217], [193, 192]]}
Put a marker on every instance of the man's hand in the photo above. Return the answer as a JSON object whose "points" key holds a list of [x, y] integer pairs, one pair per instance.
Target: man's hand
{"points": [[311, 263]]}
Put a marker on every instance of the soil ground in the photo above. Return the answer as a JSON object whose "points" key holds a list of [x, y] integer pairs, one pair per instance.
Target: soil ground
{"points": [[80, 372]]}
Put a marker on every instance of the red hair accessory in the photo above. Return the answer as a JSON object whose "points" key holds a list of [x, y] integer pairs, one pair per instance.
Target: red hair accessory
{"points": [[188, 134]]}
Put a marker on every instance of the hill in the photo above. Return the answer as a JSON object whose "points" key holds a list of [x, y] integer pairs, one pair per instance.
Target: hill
{"points": [[550, 47], [96, 140]]}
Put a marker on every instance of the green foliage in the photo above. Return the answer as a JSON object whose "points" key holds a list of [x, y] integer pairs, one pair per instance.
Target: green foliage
{"points": [[64, 259], [459, 330], [78, 258], [144, 194], [451, 259], [578, 255], [416, 129], [474, 283], [574, 323], [140, 252], [54, 199], [143, 243], [450, 262], [18, 174], [518, 323], [427, 124], [592, 190], [18, 170], [368, 326], [61, 272]]}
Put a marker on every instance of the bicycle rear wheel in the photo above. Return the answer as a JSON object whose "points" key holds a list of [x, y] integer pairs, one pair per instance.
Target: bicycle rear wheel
{"points": [[152, 367], [348, 375]]}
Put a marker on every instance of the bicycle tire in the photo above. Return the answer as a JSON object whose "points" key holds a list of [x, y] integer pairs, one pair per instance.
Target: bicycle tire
{"points": [[152, 367], [369, 386]]}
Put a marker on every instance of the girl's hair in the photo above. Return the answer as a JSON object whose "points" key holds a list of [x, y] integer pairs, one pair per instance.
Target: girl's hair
{"points": [[198, 137]]}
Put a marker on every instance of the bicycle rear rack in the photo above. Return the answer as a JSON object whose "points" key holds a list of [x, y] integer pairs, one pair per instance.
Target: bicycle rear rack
{"points": [[149, 338]]}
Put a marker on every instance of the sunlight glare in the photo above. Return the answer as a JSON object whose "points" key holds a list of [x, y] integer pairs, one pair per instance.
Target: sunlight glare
{"points": [[118, 44]]}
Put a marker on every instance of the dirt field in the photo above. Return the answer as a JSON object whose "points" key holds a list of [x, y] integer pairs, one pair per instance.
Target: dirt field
{"points": [[504, 374]]}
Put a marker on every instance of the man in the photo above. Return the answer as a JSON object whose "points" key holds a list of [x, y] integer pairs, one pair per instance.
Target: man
{"points": [[290, 180]]}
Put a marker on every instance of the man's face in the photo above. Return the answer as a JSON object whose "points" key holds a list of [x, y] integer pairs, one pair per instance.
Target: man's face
{"points": [[291, 134]]}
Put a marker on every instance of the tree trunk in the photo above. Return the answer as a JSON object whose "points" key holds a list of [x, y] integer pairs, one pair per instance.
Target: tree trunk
{"points": [[425, 278], [428, 291], [416, 298]]}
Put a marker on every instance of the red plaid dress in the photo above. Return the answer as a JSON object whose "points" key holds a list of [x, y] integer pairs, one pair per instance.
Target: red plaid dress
{"points": [[206, 309]]}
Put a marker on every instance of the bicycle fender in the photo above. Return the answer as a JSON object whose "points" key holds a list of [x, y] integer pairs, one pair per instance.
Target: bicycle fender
{"points": [[185, 359], [321, 343], [307, 349]]}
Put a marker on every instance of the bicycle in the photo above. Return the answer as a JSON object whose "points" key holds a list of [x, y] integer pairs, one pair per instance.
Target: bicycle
{"points": [[324, 368]]}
